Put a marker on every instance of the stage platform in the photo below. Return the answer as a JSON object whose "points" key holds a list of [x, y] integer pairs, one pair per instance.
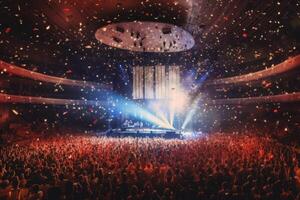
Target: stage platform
{"points": [[144, 132]]}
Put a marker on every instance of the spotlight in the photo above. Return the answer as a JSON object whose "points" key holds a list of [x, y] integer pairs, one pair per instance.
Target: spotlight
{"points": [[135, 110], [177, 104], [159, 110], [178, 100]]}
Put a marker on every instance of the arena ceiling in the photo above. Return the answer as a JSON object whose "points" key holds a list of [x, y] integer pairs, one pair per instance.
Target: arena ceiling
{"points": [[57, 37]]}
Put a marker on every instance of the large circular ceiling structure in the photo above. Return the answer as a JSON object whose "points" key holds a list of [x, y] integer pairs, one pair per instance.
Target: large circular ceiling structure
{"points": [[143, 36]]}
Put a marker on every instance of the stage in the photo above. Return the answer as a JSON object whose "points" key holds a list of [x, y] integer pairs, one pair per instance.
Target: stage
{"points": [[144, 132]]}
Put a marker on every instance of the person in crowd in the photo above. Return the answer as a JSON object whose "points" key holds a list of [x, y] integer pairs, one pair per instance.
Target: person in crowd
{"points": [[220, 166]]}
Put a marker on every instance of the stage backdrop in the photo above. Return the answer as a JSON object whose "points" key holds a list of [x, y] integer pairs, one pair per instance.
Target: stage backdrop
{"points": [[155, 82]]}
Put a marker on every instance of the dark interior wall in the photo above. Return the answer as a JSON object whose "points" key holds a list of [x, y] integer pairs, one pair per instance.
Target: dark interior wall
{"points": [[50, 117], [4, 115]]}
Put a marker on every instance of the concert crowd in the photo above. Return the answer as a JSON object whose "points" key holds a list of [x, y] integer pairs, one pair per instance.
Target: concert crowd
{"points": [[88, 167]]}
